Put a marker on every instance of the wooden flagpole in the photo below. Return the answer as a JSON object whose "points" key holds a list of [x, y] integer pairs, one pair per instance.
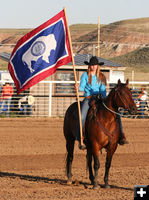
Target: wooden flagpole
{"points": [[75, 76]]}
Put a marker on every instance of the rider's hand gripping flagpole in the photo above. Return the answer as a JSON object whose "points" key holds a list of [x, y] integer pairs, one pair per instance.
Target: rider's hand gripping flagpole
{"points": [[75, 76]]}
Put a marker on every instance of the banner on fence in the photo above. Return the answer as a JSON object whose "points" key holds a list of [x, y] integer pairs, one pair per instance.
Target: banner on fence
{"points": [[38, 53]]}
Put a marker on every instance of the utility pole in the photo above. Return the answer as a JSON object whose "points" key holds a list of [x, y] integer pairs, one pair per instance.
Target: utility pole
{"points": [[98, 54]]}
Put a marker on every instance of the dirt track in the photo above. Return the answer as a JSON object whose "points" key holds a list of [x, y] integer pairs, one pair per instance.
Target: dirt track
{"points": [[32, 162]]}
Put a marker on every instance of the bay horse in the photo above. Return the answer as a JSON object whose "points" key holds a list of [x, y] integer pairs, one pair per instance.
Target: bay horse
{"points": [[102, 130]]}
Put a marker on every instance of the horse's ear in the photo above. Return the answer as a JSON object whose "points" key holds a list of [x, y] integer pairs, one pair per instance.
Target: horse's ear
{"points": [[119, 81], [127, 82]]}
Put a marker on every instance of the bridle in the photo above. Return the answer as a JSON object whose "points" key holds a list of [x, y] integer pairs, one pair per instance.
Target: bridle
{"points": [[117, 113]]}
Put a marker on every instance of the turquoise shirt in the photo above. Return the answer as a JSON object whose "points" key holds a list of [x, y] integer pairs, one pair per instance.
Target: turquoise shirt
{"points": [[93, 88]]}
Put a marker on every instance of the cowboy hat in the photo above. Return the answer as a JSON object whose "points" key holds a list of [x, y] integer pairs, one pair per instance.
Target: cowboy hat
{"points": [[31, 100], [93, 61]]}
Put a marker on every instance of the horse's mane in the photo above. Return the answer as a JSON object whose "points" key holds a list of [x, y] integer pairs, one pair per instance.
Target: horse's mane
{"points": [[95, 104]]}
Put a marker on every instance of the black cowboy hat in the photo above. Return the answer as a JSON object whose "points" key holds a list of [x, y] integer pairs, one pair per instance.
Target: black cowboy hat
{"points": [[93, 61]]}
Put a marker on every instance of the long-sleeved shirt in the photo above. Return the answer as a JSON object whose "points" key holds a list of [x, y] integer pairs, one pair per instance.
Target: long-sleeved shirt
{"points": [[93, 88], [7, 92]]}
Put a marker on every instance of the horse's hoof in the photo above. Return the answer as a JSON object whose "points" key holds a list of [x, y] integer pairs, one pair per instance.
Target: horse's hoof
{"points": [[76, 182], [107, 186], [69, 182], [95, 187]]}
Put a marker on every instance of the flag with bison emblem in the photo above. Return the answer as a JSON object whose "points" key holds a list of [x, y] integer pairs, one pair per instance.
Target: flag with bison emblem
{"points": [[38, 53]]}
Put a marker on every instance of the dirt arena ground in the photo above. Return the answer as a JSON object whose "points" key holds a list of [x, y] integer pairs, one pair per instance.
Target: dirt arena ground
{"points": [[32, 162]]}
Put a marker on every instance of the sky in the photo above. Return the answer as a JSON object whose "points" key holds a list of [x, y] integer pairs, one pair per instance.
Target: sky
{"points": [[32, 13]]}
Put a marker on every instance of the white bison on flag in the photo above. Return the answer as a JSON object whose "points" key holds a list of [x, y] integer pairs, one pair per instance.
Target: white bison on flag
{"points": [[42, 46]]}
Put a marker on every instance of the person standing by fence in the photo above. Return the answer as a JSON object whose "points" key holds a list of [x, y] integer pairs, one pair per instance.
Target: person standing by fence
{"points": [[6, 95], [143, 101], [26, 103]]}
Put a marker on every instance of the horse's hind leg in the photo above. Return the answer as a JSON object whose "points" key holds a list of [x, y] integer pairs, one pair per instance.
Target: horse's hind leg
{"points": [[69, 159]]}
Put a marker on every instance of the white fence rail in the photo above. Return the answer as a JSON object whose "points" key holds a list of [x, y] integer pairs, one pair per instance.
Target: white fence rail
{"points": [[52, 98]]}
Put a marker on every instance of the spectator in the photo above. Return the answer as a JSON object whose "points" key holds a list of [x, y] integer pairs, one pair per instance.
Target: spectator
{"points": [[143, 101], [6, 95], [26, 103], [31, 101]]}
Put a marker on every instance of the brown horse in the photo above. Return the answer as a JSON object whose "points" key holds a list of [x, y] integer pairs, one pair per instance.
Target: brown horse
{"points": [[102, 130]]}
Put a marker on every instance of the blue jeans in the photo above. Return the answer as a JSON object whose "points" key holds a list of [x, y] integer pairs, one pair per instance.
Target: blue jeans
{"points": [[143, 104], [6, 102], [84, 110]]}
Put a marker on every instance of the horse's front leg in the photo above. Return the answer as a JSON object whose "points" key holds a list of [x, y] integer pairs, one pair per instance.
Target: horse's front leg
{"points": [[96, 168], [108, 165], [70, 150]]}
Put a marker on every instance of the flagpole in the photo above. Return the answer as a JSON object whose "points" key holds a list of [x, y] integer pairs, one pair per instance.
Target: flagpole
{"points": [[75, 77]]}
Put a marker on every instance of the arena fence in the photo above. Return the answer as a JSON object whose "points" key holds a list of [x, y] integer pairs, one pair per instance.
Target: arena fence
{"points": [[52, 98]]}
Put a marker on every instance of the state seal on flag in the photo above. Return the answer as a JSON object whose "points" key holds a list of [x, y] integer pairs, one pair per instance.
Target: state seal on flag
{"points": [[38, 48]]}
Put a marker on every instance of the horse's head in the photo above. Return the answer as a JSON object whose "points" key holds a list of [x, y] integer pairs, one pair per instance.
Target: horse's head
{"points": [[123, 97]]}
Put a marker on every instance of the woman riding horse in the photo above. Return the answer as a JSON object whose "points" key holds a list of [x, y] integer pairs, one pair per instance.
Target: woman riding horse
{"points": [[93, 82]]}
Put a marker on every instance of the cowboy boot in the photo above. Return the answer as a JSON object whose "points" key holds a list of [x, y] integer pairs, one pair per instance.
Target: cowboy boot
{"points": [[122, 139]]}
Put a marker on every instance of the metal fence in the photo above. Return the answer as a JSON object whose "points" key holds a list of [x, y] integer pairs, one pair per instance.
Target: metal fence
{"points": [[52, 98]]}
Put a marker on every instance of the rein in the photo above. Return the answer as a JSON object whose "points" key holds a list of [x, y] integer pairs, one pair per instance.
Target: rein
{"points": [[106, 131], [112, 110]]}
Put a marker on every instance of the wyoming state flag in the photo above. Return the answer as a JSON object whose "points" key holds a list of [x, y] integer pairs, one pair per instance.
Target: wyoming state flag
{"points": [[38, 53]]}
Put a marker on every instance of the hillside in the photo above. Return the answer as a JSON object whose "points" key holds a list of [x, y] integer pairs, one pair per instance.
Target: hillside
{"points": [[9, 37], [125, 42], [137, 61], [117, 38], [139, 56]]}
